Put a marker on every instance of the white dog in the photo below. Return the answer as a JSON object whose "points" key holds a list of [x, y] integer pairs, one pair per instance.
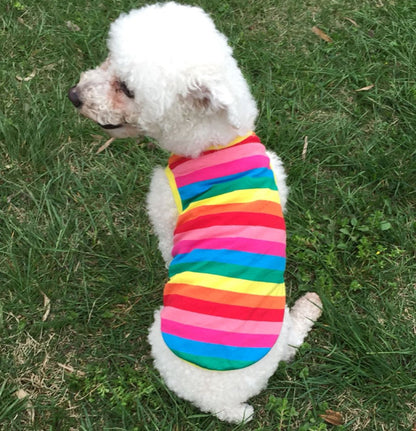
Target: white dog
{"points": [[216, 209]]}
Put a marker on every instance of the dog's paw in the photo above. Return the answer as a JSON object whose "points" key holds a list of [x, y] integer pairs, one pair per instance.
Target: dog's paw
{"points": [[309, 306], [240, 413], [304, 314]]}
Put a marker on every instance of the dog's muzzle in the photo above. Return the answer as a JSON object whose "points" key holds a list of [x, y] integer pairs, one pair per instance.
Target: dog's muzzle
{"points": [[77, 102]]}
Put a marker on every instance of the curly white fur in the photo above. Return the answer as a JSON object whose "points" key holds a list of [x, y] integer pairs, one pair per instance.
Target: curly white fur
{"points": [[170, 75], [183, 61]]}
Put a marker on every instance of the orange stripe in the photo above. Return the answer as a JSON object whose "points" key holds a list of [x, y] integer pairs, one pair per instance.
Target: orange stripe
{"points": [[224, 297], [261, 206]]}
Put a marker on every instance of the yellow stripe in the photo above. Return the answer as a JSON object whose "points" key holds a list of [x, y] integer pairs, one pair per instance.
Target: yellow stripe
{"points": [[237, 285], [175, 191], [239, 197]]}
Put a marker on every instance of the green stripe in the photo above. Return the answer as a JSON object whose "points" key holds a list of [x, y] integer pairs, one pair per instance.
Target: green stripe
{"points": [[229, 270], [218, 364], [245, 183]]}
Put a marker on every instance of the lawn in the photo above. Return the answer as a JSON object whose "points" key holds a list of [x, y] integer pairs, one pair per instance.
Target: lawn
{"points": [[80, 273]]}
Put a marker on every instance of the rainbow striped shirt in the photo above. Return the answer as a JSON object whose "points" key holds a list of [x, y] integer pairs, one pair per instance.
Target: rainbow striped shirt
{"points": [[225, 298]]}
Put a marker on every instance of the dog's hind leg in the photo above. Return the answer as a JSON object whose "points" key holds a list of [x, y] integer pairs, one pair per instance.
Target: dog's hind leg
{"points": [[222, 393]]}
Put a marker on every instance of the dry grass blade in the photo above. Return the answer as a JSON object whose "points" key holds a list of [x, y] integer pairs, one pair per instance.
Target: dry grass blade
{"points": [[333, 417], [105, 145], [305, 148], [70, 369], [368, 87], [46, 306], [321, 34], [351, 21]]}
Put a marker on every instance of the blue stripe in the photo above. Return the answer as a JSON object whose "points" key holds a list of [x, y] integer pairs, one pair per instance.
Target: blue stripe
{"points": [[197, 188], [244, 258], [214, 350]]}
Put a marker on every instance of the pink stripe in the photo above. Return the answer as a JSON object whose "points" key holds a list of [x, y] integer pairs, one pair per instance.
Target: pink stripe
{"points": [[237, 244], [220, 323], [253, 232], [223, 169], [218, 337], [217, 157]]}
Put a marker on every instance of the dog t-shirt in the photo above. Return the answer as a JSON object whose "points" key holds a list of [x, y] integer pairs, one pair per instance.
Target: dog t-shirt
{"points": [[225, 298]]}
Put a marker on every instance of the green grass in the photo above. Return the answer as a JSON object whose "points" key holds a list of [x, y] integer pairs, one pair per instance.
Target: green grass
{"points": [[74, 229]]}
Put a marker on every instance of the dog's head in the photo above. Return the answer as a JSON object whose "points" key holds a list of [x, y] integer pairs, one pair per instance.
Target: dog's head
{"points": [[169, 75]]}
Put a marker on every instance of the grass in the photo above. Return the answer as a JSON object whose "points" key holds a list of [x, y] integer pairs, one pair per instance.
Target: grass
{"points": [[80, 274]]}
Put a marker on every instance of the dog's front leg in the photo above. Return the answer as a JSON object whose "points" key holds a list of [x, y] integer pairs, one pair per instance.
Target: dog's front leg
{"points": [[162, 211], [280, 175]]}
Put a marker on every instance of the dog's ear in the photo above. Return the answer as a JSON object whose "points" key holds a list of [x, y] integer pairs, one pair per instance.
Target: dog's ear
{"points": [[213, 97]]}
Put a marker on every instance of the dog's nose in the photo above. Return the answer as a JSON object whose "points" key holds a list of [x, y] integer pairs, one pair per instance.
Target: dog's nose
{"points": [[74, 98]]}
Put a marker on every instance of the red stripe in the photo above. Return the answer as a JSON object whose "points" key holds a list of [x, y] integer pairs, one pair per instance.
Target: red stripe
{"points": [[258, 206], [233, 218], [223, 310], [175, 160]]}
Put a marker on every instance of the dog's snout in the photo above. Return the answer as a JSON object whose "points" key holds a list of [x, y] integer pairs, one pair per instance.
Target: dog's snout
{"points": [[74, 97]]}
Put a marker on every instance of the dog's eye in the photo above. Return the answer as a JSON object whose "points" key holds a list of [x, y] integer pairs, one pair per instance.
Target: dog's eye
{"points": [[126, 91]]}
